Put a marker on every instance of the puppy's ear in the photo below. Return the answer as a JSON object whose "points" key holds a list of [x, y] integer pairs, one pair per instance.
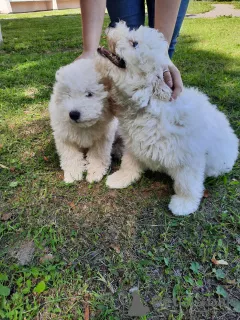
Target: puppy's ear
{"points": [[59, 74], [106, 83]]}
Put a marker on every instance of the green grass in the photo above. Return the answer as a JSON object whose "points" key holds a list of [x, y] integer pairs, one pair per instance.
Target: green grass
{"points": [[40, 14], [104, 242], [236, 4], [196, 7]]}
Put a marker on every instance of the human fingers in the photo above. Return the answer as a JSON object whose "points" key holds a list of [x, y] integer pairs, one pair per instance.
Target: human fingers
{"points": [[177, 81], [168, 78]]}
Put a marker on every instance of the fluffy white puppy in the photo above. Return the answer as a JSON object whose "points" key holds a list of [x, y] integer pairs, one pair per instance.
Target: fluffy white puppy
{"points": [[189, 138], [81, 118]]}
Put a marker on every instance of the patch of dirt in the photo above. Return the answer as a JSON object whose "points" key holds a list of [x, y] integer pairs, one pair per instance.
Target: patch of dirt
{"points": [[46, 257], [31, 92], [6, 216], [36, 127], [27, 155], [23, 253]]}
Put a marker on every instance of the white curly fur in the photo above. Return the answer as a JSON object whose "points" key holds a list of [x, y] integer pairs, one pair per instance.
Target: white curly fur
{"points": [[189, 138], [96, 128]]}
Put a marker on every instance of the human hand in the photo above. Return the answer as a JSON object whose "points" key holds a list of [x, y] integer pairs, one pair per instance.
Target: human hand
{"points": [[173, 79]]}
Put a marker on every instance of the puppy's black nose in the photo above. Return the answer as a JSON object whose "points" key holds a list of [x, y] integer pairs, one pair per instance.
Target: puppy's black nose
{"points": [[74, 115]]}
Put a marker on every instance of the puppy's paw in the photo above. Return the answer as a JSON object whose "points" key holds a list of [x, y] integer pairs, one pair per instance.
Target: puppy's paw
{"points": [[183, 206], [96, 174], [71, 176], [73, 170], [119, 180]]}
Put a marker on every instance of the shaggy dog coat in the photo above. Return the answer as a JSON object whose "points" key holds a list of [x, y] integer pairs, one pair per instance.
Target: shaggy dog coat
{"points": [[81, 119], [188, 138]]}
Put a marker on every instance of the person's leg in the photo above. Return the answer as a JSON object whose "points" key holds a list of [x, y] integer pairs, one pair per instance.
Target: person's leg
{"points": [[130, 11], [151, 9], [181, 14]]}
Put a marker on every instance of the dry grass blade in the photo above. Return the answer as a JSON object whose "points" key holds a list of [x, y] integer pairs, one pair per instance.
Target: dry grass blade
{"points": [[3, 166], [86, 307], [218, 262]]}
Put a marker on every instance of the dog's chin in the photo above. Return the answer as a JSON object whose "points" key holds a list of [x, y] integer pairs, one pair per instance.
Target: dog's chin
{"points": [[113, 57], [84, 124]]}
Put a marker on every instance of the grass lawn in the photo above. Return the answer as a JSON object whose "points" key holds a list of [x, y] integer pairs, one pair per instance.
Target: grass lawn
{"points": [[67, 248], [195, 7], [237, 4]]}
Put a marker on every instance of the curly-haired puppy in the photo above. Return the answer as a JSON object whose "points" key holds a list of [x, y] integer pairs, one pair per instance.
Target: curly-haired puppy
{"points": [[81, 120], [188, 138]]}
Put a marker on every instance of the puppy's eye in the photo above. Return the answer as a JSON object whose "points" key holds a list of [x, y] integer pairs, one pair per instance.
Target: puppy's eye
{"points": [[134, 44], [89, 94]]}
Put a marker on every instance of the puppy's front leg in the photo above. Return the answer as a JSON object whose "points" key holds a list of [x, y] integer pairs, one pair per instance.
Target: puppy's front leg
{"points": [[99, 159], [99, 155], [129, 172], [71, 160], [188, 185]]}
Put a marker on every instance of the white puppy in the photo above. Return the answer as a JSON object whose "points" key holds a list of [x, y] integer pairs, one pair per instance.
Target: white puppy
{"points": [[189, 138], [81, 118]]}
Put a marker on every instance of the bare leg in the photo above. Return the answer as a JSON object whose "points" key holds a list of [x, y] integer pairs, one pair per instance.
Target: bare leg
{"points": [[188, 185], [129, 172], [71, 160], [99, 155]]}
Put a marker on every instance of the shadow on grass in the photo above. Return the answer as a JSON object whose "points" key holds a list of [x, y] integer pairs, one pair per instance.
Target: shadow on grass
{"points": [[213, 74]]}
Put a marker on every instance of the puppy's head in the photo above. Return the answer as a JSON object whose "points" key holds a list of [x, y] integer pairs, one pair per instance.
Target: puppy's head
{"points": [[80, 97], [144, 49], [142, 52]]}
